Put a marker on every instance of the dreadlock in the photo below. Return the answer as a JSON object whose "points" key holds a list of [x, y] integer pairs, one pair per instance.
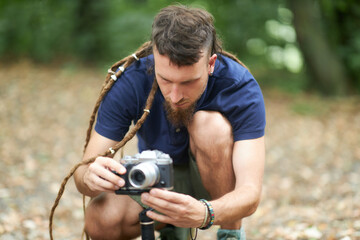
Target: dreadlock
{"points": [[110, 79]]}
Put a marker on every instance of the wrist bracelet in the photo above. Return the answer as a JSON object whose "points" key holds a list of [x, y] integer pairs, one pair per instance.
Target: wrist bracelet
{"points": [[210, 212], [206, 215]]}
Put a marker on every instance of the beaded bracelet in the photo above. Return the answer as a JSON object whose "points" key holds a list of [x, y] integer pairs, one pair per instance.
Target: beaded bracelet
{"points": [[211, 212], [206, 215]]}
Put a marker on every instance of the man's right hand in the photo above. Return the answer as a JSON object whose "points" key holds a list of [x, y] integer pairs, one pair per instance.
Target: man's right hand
{"points": [[99, 177]]}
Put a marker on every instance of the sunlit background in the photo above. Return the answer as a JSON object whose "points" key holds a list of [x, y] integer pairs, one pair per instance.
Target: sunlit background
{"points": [[305, 55]]}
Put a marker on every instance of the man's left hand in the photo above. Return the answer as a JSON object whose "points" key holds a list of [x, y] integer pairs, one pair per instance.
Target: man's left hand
{"points": [[177, 209]]}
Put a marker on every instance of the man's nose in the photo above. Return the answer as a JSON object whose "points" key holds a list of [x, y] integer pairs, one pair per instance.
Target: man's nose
{"points": [[176, 94]]}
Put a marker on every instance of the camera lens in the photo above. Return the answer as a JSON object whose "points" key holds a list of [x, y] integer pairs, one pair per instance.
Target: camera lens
{"points": [[138, 177], [144, 175]]}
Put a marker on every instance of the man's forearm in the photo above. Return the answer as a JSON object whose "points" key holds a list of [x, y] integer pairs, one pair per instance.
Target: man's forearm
{"points": [[236, 205], [248, 164]]}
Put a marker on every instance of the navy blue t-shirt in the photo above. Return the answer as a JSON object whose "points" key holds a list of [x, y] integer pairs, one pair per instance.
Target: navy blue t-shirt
{"points": [[231, 90]]}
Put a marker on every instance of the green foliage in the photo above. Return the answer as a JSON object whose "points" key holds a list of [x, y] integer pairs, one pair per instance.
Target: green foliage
{"points": [[93, 29], [342, 24], [35, 29], [259, 32]]}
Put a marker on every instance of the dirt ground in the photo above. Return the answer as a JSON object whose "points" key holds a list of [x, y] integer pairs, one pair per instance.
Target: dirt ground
{"points": [[311, 186]]}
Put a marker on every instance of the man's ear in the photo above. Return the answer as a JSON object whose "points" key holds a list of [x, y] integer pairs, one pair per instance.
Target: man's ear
{"points": [[212, 61]]}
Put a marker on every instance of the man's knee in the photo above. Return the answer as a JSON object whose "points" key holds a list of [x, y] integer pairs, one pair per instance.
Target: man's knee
{"points": [[210, 129], [98, 223], [106, 218], [211, 142]]}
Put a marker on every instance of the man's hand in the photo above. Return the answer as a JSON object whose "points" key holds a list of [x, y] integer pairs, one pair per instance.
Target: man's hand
{"points": [[99, 175], [177, 209]]}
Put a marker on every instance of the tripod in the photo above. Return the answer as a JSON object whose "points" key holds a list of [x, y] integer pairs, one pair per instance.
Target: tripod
{"points": [[147, 225]]}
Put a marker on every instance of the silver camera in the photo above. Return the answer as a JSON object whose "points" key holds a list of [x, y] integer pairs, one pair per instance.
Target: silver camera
{"points": [[146, 170]]}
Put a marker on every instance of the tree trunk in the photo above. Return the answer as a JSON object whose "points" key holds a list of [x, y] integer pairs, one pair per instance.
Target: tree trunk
{"points": [[325, 67]]}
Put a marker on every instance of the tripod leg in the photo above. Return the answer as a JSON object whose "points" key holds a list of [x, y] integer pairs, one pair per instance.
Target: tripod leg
{"points": [[147, 225]]}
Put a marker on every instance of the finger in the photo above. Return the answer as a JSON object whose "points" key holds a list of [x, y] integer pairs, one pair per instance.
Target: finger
{"points": [[99, 171], [185, 223], [96, 183], [109, 165], [112, 165], [161, 205], [159, 217], [168, 195], [104, 185], [108, 175], [156, 203]]}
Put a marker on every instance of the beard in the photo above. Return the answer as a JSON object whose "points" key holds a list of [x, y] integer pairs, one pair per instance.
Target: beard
{"points": [[179, 117]]}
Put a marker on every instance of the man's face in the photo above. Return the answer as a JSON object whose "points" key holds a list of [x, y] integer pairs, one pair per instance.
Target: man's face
{"points": [[182, 86]]}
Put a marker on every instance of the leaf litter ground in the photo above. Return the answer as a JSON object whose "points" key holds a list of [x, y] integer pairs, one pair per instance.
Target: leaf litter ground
{"points": [[311, 186]]}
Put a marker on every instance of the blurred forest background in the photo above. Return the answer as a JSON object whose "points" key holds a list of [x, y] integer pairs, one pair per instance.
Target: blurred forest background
{"points": [[305, 55], [305, 45]]}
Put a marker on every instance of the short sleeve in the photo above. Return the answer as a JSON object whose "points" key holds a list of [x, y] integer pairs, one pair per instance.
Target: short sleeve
{"points": [[121, 105], [247, 110]]}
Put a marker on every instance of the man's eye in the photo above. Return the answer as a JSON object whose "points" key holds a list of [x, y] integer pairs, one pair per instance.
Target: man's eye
{"points": [[187, 83], [162, 79]]}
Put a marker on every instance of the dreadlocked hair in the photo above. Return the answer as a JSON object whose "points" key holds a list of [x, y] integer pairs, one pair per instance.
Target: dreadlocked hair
{"points": [[143, 51]]}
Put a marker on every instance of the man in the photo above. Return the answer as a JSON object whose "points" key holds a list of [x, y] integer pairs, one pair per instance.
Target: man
{"points": [[208, 116]]}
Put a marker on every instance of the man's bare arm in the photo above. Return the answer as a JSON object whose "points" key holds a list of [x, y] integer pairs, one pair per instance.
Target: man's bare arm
{"points": [[97, 177], [248, 163]]}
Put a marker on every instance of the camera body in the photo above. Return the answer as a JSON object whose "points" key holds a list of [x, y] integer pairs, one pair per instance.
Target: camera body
{"points": [[146, 170]]}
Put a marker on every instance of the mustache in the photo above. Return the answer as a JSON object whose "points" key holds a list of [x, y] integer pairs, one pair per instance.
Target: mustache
{"points": [[181, 101]]}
